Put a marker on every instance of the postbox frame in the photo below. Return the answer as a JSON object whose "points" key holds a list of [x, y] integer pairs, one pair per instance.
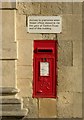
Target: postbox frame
{"points": [[55, 57]]}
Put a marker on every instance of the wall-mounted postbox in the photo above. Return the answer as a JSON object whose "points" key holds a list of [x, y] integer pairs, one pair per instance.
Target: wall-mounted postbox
{"points": [[45, 68]]}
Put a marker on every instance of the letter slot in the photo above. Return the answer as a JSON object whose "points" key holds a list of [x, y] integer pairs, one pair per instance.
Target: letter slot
{"points": [[44, 50]]}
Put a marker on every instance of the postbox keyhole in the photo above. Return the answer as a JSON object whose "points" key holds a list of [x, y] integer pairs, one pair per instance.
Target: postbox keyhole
{"points": [[44, 59]]}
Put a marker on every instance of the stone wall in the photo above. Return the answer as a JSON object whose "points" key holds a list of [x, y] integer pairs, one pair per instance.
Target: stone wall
{"points": [[10, 105], [69, 101]]}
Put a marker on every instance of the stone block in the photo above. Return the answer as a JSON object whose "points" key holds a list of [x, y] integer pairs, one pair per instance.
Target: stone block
{"points": [[25, 86], [10, 101], [11, 5], [21, 29], [77, 105], [65, 104], [25, 52], [8, 77], [67, 7], [20, 20], [8, 90], [0, 49], [77, 81], [13, 114], [70, 79], [66, 33], [8, 96], [71, 27], [9, 50], [0, 73], [0, 4], [47, 108], [52, 8], [65, 53], [10, 107], [77, 7], [28, 8], [8, 24], [65, 79], [77, 27], [0, 26], [77, 53], [24, 72], [32, 105]]}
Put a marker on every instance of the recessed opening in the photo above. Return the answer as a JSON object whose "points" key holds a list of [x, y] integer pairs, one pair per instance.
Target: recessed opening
{"points": [[44, 50]]}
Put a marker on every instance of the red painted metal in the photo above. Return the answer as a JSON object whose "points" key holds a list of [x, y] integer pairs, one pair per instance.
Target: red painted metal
{"points": [[45, 86]]}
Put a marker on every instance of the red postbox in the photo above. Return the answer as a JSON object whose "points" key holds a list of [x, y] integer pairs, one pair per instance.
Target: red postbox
{"points": [[45, 69]]}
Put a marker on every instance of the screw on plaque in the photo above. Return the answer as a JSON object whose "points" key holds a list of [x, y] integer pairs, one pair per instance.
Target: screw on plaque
{"points": [[44, 59]]}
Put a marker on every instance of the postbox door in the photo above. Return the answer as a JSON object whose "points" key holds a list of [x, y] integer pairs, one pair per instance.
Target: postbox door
{"points": [[45, 69], [44, 78]]}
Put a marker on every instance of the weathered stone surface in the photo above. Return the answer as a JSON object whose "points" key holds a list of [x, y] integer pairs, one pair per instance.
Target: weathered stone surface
{"points": [[66, 33], [10, 107], [77, 53], [24, 72], [20, 20], [47, 108], [68, 104], [67, 7], [71, 27], [70, 79], [25, 86], [29, 8], [8, 91], [32, 105], [25, 52], [65, 79], [12, 96], [9, 50], [10, 100], [11, 5], [0, 4], [18, 113], [8, 73], [51, 8], [77, 81], [49, 36], [21, 29], [65, 53], [0, 57], [11, 118], [77, 105], [77, 7], [77, 27], [65, 105], [8, 24], [0, 27]]}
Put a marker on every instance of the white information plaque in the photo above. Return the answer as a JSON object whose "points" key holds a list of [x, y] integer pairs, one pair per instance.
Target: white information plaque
{"points": [[44, 24], [44, 69]]}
